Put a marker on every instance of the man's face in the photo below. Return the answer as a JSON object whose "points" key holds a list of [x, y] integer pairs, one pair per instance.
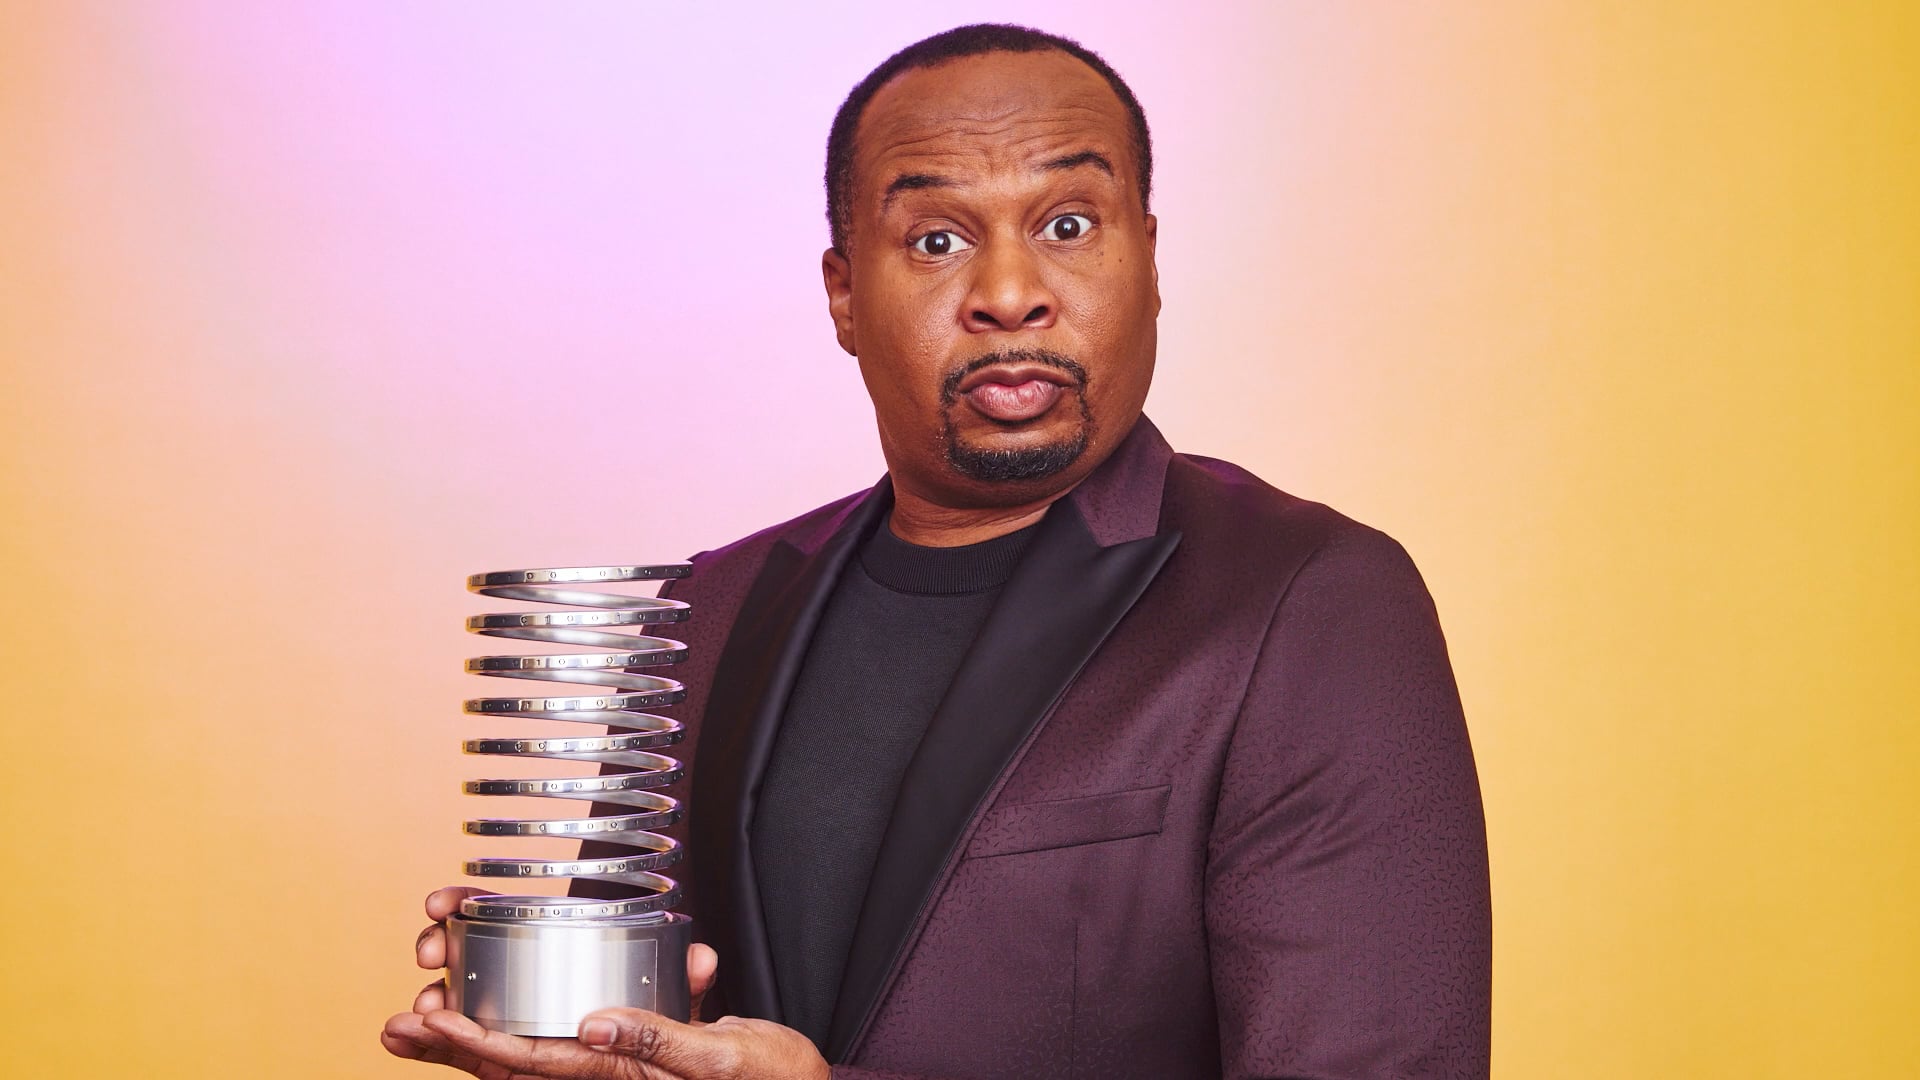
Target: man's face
{"points": [[1001, 295]]}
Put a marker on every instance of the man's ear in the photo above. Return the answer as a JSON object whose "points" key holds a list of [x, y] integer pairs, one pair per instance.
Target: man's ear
{"points": [[837, 273], [1153, 247]]}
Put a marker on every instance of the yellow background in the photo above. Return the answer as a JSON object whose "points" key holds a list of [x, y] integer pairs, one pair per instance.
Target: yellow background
{"points": [[1609, 311]]}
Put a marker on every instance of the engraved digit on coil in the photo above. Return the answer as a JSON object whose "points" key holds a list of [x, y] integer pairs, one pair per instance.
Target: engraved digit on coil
{"points": [[614, 626]]}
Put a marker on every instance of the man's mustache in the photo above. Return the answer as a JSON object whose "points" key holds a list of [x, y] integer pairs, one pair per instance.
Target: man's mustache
{"points": [[950, 388]]}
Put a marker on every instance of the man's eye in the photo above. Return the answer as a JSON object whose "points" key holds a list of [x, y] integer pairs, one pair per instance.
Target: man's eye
{"points": [[940, 243], [1067, 227]]}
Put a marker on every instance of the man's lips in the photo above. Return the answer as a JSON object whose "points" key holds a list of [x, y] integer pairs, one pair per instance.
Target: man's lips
{"points": [[1013, 393]]}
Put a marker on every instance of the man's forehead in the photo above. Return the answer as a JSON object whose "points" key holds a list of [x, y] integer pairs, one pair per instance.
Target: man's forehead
{"points": [[1020, 105]]}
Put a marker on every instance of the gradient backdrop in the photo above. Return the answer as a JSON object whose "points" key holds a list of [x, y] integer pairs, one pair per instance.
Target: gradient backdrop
{"points": [[307, 310]]}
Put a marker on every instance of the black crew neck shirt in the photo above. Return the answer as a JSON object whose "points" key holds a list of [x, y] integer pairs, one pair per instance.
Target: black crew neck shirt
{"points": [[889, 642]]}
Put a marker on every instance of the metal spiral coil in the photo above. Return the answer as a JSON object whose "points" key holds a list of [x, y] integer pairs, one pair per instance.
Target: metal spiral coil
{"points": [[534, 965], [614, 625]]}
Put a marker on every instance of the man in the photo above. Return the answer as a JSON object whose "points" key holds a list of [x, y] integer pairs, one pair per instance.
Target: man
{"points": [[1057, 753]]}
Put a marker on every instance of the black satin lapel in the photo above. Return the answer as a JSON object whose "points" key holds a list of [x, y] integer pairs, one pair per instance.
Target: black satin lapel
{"points": [[751, 682], [1064, 599]]}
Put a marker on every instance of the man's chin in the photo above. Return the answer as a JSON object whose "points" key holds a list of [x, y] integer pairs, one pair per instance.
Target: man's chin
{"points": [[1015, 462]]}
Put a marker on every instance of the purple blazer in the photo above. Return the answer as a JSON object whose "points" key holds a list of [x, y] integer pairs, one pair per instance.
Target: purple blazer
{"points": [[1199, 802]]}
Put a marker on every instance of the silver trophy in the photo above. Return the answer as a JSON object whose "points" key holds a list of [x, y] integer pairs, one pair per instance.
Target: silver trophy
{"points": [[536, 965]]}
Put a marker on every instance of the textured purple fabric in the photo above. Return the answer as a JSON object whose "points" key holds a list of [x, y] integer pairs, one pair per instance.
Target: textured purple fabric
{"points": [[1246, 842]]}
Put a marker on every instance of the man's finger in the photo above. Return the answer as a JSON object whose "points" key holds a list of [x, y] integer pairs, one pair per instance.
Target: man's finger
{"points": [[432, 997], [444, 902], [703, 964], [430, 948], [404, 1036]]}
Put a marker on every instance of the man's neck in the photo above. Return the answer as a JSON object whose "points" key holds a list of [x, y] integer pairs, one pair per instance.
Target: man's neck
{"points": [[920, 521]]}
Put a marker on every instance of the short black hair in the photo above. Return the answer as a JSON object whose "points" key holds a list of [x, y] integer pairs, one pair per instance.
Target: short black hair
{"points": [[963, 41]]}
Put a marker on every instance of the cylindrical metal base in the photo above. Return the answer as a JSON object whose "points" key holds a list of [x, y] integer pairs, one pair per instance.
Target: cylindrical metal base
{"points": [[543, 977]]}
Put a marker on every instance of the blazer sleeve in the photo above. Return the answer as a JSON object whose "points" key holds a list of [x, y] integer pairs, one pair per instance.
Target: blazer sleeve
{"points": [[1347, 907]]}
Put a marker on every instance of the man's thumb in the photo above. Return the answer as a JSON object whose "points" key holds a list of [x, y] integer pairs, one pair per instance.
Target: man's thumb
{"points": [[645, 1036]]}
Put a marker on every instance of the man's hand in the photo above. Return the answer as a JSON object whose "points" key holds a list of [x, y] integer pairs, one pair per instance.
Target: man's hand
{"points": [[614, 1044]]}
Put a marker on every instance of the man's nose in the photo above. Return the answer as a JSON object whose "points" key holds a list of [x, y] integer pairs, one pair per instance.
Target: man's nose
{"points": [[1008, 291]]}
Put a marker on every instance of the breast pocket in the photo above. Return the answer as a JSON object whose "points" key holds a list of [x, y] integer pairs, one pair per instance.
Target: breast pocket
{"points": [[1063, 823]]}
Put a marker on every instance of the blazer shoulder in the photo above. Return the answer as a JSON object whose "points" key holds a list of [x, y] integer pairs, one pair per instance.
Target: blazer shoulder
{"points": [[1228, 516]]}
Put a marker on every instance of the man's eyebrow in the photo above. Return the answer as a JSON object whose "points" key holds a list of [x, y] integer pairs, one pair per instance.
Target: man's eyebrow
{"points": [[1074, 161], [909, 182]]}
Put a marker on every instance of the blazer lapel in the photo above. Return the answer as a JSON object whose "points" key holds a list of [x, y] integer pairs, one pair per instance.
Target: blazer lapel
{"points": [[1066, 596], [752, 680]]}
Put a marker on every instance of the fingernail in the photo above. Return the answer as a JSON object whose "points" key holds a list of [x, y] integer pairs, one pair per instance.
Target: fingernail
{"points": [[598, 1034]]}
